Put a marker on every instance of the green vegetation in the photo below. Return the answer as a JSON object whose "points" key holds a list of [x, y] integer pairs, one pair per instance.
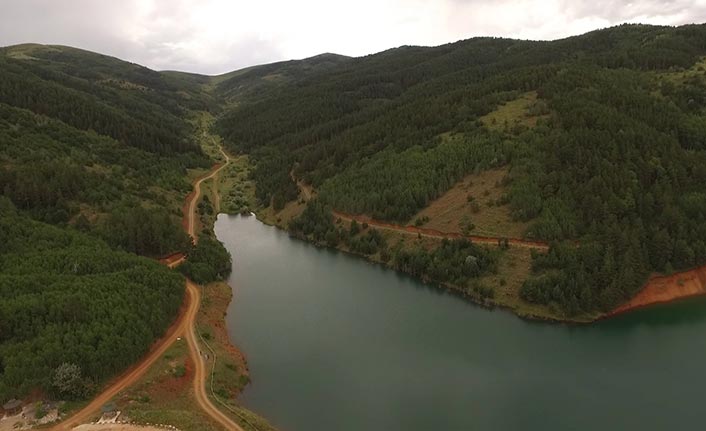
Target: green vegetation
{"points": [[94, 155], [605, 147], [454, 262], [207, 261], [74, 311], [600, 138], [457, 262]]}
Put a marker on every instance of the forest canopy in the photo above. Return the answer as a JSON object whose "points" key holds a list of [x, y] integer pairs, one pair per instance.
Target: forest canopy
{"points": [[614, 160], [69, 298]]}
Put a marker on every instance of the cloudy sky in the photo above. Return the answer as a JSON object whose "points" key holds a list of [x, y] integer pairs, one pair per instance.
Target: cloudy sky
{"points": [[215, 36]]}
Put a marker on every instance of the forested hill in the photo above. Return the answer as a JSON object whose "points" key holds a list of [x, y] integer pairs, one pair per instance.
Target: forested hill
{"points": [[94, 154], [130, 103], [610, 154], [606, 160], [253, 83], [73, 307]]}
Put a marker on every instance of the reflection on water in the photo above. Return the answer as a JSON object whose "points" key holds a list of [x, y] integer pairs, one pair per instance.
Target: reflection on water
{"points": [[335, 343]]}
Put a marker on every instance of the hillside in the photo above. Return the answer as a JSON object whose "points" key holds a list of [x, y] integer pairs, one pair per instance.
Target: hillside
{"points": [[257, 82], [71, 303], [602, 138], [548, 177], [94, 157]]}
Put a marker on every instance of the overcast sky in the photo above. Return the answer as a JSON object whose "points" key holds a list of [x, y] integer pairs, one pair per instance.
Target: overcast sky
{"points": [[215, 36]]}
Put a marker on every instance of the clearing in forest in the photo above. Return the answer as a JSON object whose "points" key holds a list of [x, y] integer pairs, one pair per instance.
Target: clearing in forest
{"points": [[524, 111], [475, 206]]}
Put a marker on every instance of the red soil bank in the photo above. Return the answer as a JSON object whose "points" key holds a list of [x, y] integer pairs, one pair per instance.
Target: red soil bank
{"points": [[667, 288]]}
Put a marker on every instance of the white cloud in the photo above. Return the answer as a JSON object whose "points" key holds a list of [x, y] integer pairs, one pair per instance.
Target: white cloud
{"points": [[213, 36]]}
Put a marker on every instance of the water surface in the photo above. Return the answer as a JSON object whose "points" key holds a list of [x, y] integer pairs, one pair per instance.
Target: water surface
{"points": [[336, 343]]}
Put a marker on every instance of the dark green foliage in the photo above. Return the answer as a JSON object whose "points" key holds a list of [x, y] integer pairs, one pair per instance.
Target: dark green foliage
{"points": [[406, 97], [138, 230], [456, 262], [129, 103], [369, 243], [618, 176], [617, 164], [53, 171], [393, 186], [68, 298], [259, 81], [315, 222], [207, 261], [87, 143]]}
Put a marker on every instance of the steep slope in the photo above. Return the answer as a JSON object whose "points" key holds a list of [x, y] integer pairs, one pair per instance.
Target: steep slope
{"points": [[94, 154], [613, 158], [98, 143]]}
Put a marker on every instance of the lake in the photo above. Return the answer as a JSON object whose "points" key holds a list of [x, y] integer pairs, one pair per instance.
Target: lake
{"points": [[336, 343]]}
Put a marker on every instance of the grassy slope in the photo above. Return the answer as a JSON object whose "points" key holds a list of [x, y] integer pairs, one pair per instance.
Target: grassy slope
{"points": [[339, 122]]}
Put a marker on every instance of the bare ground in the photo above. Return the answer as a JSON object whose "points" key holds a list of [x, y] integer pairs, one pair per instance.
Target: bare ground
{"points": [[667, 288]]}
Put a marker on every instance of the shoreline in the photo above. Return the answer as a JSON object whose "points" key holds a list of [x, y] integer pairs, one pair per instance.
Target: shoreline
{"points": [[450, 288], [665, 289], [659, 289]]}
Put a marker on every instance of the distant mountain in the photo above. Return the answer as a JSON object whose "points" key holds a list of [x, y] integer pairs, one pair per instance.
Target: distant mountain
{"points": [[130, 103], [258, 81]]}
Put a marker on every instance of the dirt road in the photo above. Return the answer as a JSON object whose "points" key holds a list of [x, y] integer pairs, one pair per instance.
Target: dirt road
{"points": [[183, 326], [200, 371], [194, 196], [308, 192], [432, 233], [178, 328]]}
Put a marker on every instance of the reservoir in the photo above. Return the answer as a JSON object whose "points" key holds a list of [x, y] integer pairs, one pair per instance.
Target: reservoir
{"points": [[336, 343]]}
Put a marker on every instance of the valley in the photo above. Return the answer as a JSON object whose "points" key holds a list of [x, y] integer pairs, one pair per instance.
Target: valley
{"points": [[561, 181]]}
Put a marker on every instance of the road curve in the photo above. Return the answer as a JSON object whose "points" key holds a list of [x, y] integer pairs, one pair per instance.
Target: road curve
{"points": [[136, 371], [200, 371], [194, 196], [201, 374], [182, 326]]}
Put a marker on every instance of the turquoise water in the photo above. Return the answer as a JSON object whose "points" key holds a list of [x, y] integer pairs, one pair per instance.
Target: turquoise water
{"points": [[336, 343]]}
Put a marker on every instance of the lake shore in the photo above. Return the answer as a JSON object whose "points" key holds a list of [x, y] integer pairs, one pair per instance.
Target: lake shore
{"points": [[659, 289], [662, 289]]}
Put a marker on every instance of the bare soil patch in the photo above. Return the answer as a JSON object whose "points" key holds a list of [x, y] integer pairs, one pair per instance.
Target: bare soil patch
{"points": [[667, 288]]}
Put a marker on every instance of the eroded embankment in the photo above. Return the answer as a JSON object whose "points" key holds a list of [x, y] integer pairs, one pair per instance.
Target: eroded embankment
{"points": [[666, 288]]}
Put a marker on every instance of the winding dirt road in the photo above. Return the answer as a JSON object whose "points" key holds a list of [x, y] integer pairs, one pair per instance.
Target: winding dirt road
{"points": [[201, 373], [183, 326], [432, 233], [308, 192]]}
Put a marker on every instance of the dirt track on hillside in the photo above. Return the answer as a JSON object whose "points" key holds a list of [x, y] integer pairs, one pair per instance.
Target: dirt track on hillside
{"points": [[183, 325], [432, 233], [308, 192], [658, 289]]}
